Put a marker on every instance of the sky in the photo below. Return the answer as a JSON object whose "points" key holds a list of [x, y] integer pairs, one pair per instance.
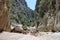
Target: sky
{"points": [[31, 4]]}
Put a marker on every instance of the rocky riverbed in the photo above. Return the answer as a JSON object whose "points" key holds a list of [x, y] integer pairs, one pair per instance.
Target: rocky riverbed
{"points": [[20, 36]]}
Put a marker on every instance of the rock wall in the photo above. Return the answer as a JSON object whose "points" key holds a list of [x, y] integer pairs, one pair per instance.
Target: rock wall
{"points": [[48, 11], [4, 15], [20, 12]]}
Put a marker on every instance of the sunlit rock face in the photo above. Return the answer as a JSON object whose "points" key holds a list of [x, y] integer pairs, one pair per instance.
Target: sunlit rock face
{"points": [[57, 21], [4, 15], [50, 16]]}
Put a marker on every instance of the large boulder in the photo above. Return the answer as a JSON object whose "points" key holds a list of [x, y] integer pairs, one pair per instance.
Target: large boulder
{"points": [[18, 28]]}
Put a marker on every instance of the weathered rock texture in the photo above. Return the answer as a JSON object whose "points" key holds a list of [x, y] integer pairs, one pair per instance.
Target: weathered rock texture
{"points": [[48, 13], [4, 15]]}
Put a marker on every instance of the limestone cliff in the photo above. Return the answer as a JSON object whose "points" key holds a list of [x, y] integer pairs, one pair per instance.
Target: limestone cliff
{"points": [[4, 15], [48, 11], [20, 12]]}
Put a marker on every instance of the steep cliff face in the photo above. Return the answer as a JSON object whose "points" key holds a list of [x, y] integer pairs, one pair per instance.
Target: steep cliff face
{"points": [[20, 12], [48, 11], [4, 15]]}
